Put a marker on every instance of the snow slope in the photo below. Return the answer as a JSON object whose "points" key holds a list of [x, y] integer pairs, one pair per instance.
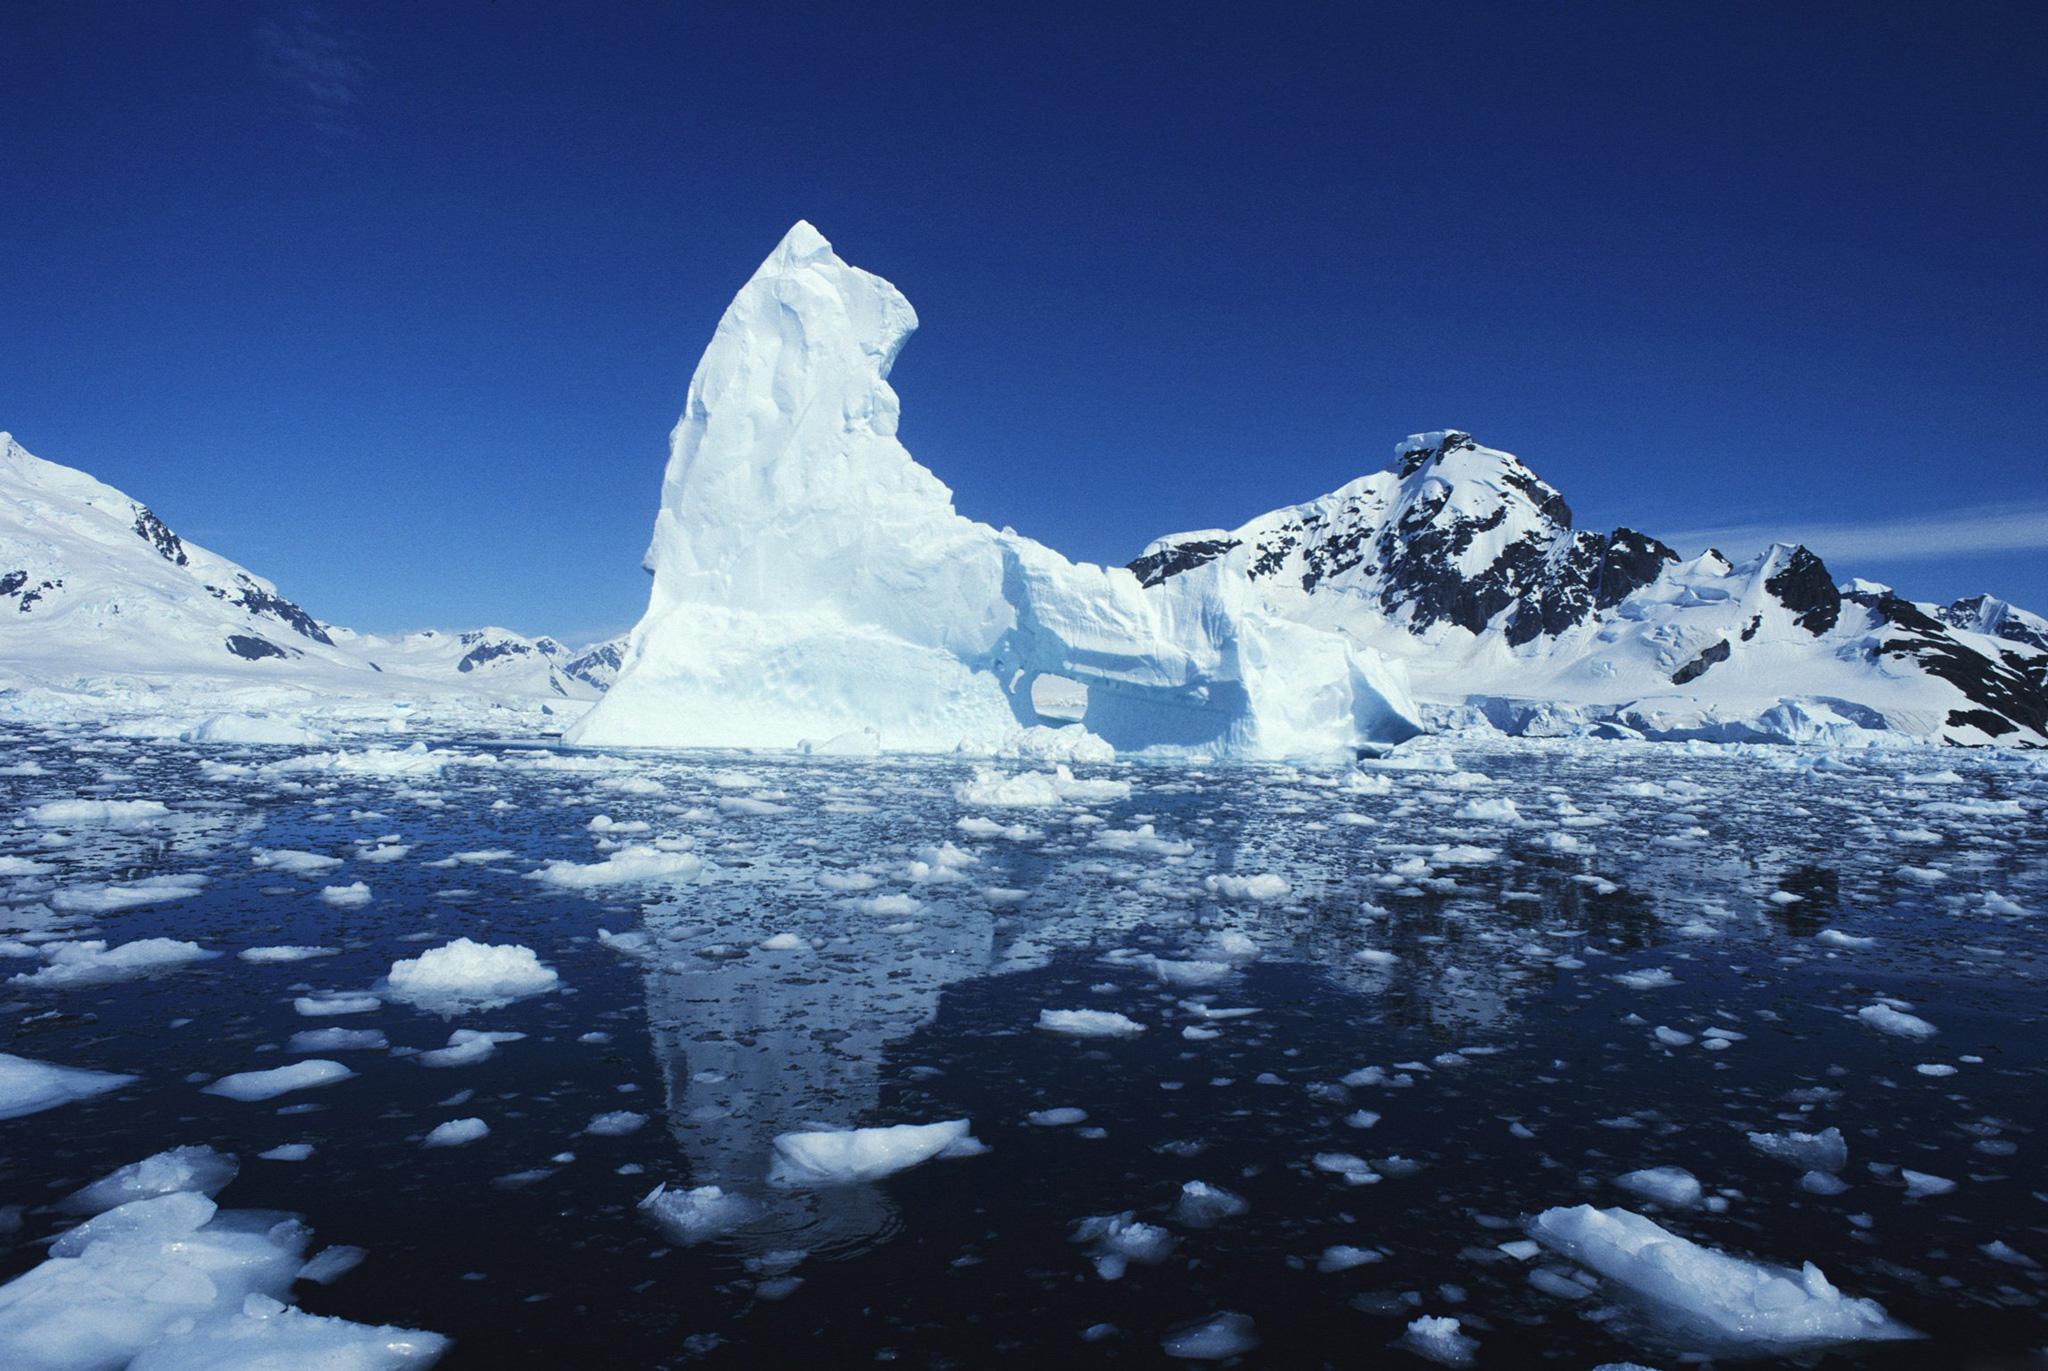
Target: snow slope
{"points": [[103, 607], [812, 580], [1463, 564]]}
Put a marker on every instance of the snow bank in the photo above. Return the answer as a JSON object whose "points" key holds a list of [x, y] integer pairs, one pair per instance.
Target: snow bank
{"points": [[844, 1156], [1709, 1299]]}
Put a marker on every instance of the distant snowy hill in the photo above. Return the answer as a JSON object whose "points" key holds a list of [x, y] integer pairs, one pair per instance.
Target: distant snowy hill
{"points": [[1462, 563], [102, 604]]}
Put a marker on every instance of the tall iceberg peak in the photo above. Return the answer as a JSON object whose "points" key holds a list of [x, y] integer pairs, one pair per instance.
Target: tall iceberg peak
{"points": [[812, 580]]}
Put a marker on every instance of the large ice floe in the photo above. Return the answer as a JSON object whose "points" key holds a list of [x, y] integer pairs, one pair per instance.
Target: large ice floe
{"points": [[1708, 1299], [813, 582]]}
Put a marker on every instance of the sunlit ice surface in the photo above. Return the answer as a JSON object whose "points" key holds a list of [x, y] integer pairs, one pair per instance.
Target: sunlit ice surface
{"points": [[1525, 1054]]}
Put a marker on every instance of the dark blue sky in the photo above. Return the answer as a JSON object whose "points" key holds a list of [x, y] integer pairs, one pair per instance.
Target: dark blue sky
{"points": [[396, 303]]}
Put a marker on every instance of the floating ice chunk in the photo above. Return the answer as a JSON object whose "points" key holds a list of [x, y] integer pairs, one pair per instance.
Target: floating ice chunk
{"points": [[119, 895], [1920, 1184], [279, 1080], [262, 730], [1202, 1205], [616, 1124], [748, 804], [468, 972], [1649, 978], [1119, 1240], [1261, 886], [456, 1133], [294, 862], [1898, 1023], [635, 863], [1835, 937], [1343, 1257], [196, 1170], [693, 1216], [339, 1002], [94, 963], [1088, 1023], [1216, 1338], [1354, 1170], [1708, 1298], [287, 1152], [990, 789], [1061, 1117], [1821, 1183], [1823, 1151], [263, 956], [1144, 838], [846, 1156], [352, 896], [783, 942], [1667, 1185], [467, 1047], [1490, 811], [1439, 1340], [1192, 973], [267, 1335], [99, 813], [29, 1087]]}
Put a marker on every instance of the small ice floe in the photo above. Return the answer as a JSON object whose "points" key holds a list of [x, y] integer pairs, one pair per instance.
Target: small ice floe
{"points": [[1343, 1257], [286, 1152], [1671, 1186], [197, 1170], [293, 862], [457, 1133], [694, 1216], [1713, 1301], [467, 973], [1061, 1117], [1826, 1151], [1649, 978], [352, 896], [1216, 1338], [100, 814], [783, 942], [1835, 937], [335, 1003], [249, 1086], [1896, 1022], [615, 1124], [1144, 838], [1192, 973], [115, 896], [1088, 1023], [29, 1087], [467, 1047], [1440, 1340], [1202, 1205], [1263, 887], [1354, 1170], [1118, 1240], [1919, 1184], [94, 963], [990, 789], [266, 956], [629, 865], [851, 1155]]}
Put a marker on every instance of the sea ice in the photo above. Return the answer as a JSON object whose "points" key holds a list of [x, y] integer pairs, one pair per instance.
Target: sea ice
{"points": [[456, 1133], [465, 972], [28, 1086], [1825, 1151], [279, 1080], [1667, 1185], [94, 963], [846, 1156], [1712, 1301], [1088, 1023], [196, 1169], [693, 1216], [1898, 1023], [629, 865]]}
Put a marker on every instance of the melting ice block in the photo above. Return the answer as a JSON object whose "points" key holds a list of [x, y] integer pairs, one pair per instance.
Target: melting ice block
{"points": [[813, 581], [844, 1156], [1709, 1300], [28, 1086]]}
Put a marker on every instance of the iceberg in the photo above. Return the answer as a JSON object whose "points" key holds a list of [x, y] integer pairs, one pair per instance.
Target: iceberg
{"points": [[812, 580]]}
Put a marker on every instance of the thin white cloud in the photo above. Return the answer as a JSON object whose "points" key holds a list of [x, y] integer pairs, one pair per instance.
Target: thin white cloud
{"points": [[313, 63], [1979, 531]]}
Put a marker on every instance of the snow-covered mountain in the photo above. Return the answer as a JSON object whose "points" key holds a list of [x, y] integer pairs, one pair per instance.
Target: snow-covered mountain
{"points": [[101, 602], [1462, 563]]}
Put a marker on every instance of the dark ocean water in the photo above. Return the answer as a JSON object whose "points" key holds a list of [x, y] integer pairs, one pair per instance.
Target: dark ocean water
{"points": [[1470, 953]]}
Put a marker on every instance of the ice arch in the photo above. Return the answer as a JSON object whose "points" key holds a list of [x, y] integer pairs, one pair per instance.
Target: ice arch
{"points": [[812, 580]]}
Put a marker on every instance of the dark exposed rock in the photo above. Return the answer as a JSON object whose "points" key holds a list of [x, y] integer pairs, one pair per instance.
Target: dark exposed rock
{"points": [[1984, 614], [1154, 567], [2003, 687], [1633, 560], [153, 531], [1710, 655], [257, 600], [16, 583], [489, 651], [254, 649], [598, 666], [1803, 586]]}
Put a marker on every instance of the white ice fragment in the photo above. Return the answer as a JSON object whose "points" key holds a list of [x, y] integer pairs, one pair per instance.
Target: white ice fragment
{"points": [[279, 1080], [28, 1086], [693, 1216], [1119, 1240], [615, 1124], [1898, 1023], [1202, 1205], [629, 865], [195, 1169], [1216, 1338], [468, 972], [94, 963], [1088, 1023], [352, 896], [457, 1133], [809, 1159], [1667, 1185], [1825, 1151], [1438, 1339], [1711, 1299]]}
